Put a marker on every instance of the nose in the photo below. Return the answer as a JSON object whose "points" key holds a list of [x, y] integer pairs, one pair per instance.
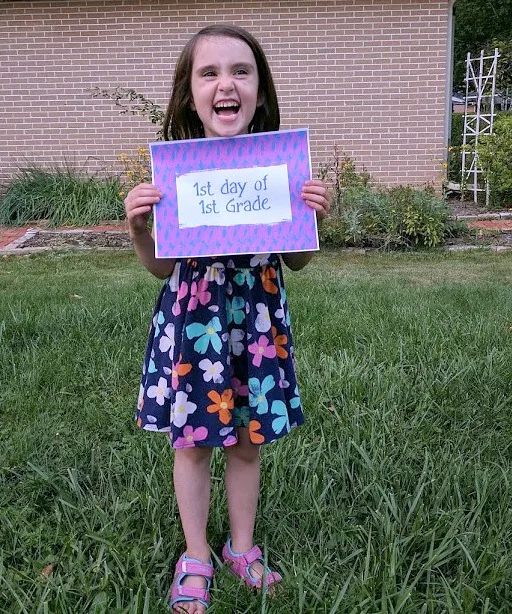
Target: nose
{"points": [[226, 83]]}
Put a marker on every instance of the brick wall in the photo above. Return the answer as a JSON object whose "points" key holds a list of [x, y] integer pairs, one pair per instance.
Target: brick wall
{"points": [[368, 75]]}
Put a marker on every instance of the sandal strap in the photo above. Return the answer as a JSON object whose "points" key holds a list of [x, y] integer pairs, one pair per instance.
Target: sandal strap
{"points": [[193, 568], [193, 592], [248, 558]]}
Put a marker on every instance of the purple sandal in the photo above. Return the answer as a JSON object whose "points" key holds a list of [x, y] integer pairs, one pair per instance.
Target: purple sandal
{"points": [[190, 567], [240, 565]]}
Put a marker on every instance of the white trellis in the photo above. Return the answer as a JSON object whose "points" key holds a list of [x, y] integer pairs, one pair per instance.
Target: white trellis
{"points": [[480, 94]]}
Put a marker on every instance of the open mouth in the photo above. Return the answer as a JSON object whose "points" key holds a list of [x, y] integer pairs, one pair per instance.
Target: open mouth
{"points": [[227, 109]]}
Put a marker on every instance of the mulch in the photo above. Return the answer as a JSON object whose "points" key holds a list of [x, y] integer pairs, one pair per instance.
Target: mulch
{"points": [[114, 235]]}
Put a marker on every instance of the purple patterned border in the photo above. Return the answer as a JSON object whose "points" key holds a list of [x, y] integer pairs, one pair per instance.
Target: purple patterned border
{"points": [[173, 158]]}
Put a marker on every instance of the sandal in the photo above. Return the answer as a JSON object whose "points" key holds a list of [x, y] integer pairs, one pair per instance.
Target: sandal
{"points": [[190, 567], [240, 565]]}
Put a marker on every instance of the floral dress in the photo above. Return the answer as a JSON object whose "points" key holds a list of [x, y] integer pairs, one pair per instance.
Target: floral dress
{"points": [[220, 354]]}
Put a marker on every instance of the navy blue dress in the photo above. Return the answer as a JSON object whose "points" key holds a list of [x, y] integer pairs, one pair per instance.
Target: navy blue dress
{"points": [[220, 354]]}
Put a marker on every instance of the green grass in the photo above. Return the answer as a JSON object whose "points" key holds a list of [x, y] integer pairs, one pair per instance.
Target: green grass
{"points": [[61, 195], [394, 497]]}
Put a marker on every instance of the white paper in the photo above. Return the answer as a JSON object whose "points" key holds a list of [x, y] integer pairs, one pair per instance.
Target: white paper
{"points": [[259, 195]]}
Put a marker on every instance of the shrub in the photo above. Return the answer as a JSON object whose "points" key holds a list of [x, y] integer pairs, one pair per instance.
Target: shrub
{"points": [[61, 196], [364, 214], [495, 158], [455, 148]]}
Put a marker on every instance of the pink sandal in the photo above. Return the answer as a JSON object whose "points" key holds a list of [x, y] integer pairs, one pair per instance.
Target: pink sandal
{"points": [[240, 565], [190, 567]]}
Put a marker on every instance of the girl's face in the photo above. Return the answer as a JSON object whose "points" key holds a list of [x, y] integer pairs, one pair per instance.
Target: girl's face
{"points": [[224, 85]]}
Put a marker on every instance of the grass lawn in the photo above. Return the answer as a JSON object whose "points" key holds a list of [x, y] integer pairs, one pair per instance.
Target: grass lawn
{"points": [[394, 497]]}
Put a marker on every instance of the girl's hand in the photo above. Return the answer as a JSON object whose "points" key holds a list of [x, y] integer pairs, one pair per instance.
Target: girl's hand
{"points": [[138, 205], [317, 196]]}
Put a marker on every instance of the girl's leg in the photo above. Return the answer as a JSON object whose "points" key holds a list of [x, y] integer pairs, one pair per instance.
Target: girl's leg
{"points": [[192, 487], [243, 488]]}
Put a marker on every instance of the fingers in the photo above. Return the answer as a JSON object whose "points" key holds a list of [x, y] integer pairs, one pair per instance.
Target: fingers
{"points": [[139, 203], [317, 196], [143, 195]]}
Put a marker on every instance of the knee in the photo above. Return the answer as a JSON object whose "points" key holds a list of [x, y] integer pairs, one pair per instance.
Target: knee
{"points": [[192, 456], [243, 452]]}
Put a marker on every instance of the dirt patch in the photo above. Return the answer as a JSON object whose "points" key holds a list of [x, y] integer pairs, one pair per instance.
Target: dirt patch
{"points": [[80, 239], [482, 238], [463, 208]]}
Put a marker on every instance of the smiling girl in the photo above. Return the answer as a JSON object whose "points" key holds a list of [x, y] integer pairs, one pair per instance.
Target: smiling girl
{"points": [[219, 369]]}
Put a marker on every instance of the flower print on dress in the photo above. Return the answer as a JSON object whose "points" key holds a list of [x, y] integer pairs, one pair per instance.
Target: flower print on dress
{"points": [[283, 382], [182, 293], [282, 421], [212, 370], [259, 260], [242, 416], [244, 276], [216, 273], [167, 342], [254, 436], [239, 389], [262, 322], [223, 404], [181, 408], [178, 370], [280, 342], [207, 334], [158, 319], [295, 401], [202, 338], [151, 424], [258, 391], [235, 310], [268, 274], [174, 280], [230, 440], [190, 436], [236, 337], [160, 392], [262, 348], [198, 294]]}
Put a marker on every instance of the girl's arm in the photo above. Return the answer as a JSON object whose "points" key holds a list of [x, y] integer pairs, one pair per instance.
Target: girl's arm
{"points": [[138, 206], [318, 198]]}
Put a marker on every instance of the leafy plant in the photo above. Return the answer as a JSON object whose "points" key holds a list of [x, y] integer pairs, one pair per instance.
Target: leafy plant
{"points": [[365, 214], [495, 158], [455, 148], [61, 195], [133, 103]]}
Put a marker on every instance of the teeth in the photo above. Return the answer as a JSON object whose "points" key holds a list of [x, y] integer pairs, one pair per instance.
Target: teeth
{"points": [[226, 105]]}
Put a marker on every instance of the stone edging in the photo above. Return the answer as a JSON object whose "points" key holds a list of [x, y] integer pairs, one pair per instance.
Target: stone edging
{"points": [[15, 247]]}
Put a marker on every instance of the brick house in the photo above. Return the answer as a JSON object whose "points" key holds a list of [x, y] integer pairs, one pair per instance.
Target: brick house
{"points": [[372, 76]]}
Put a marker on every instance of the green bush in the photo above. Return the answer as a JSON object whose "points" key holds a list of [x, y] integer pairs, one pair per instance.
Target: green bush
{"points": [[61, 196], [495, 158], [365, 215], [455, 148]]}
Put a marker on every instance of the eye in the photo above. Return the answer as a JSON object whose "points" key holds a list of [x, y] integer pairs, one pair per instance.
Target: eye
{"points": [[241, 71], [209, 73]]}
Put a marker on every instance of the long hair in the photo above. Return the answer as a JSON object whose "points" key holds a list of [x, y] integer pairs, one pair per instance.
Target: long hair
{"points": [[181, 122]]}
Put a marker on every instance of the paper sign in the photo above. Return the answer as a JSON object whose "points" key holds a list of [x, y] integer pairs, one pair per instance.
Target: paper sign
{"points": [[236, 195], [239, 196]]}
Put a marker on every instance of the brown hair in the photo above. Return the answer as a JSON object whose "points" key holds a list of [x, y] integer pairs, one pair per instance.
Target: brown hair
{"points": [[181, 122]]}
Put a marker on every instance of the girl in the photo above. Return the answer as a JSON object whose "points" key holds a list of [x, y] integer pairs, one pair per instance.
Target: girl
{"points": [[219, 368]]}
